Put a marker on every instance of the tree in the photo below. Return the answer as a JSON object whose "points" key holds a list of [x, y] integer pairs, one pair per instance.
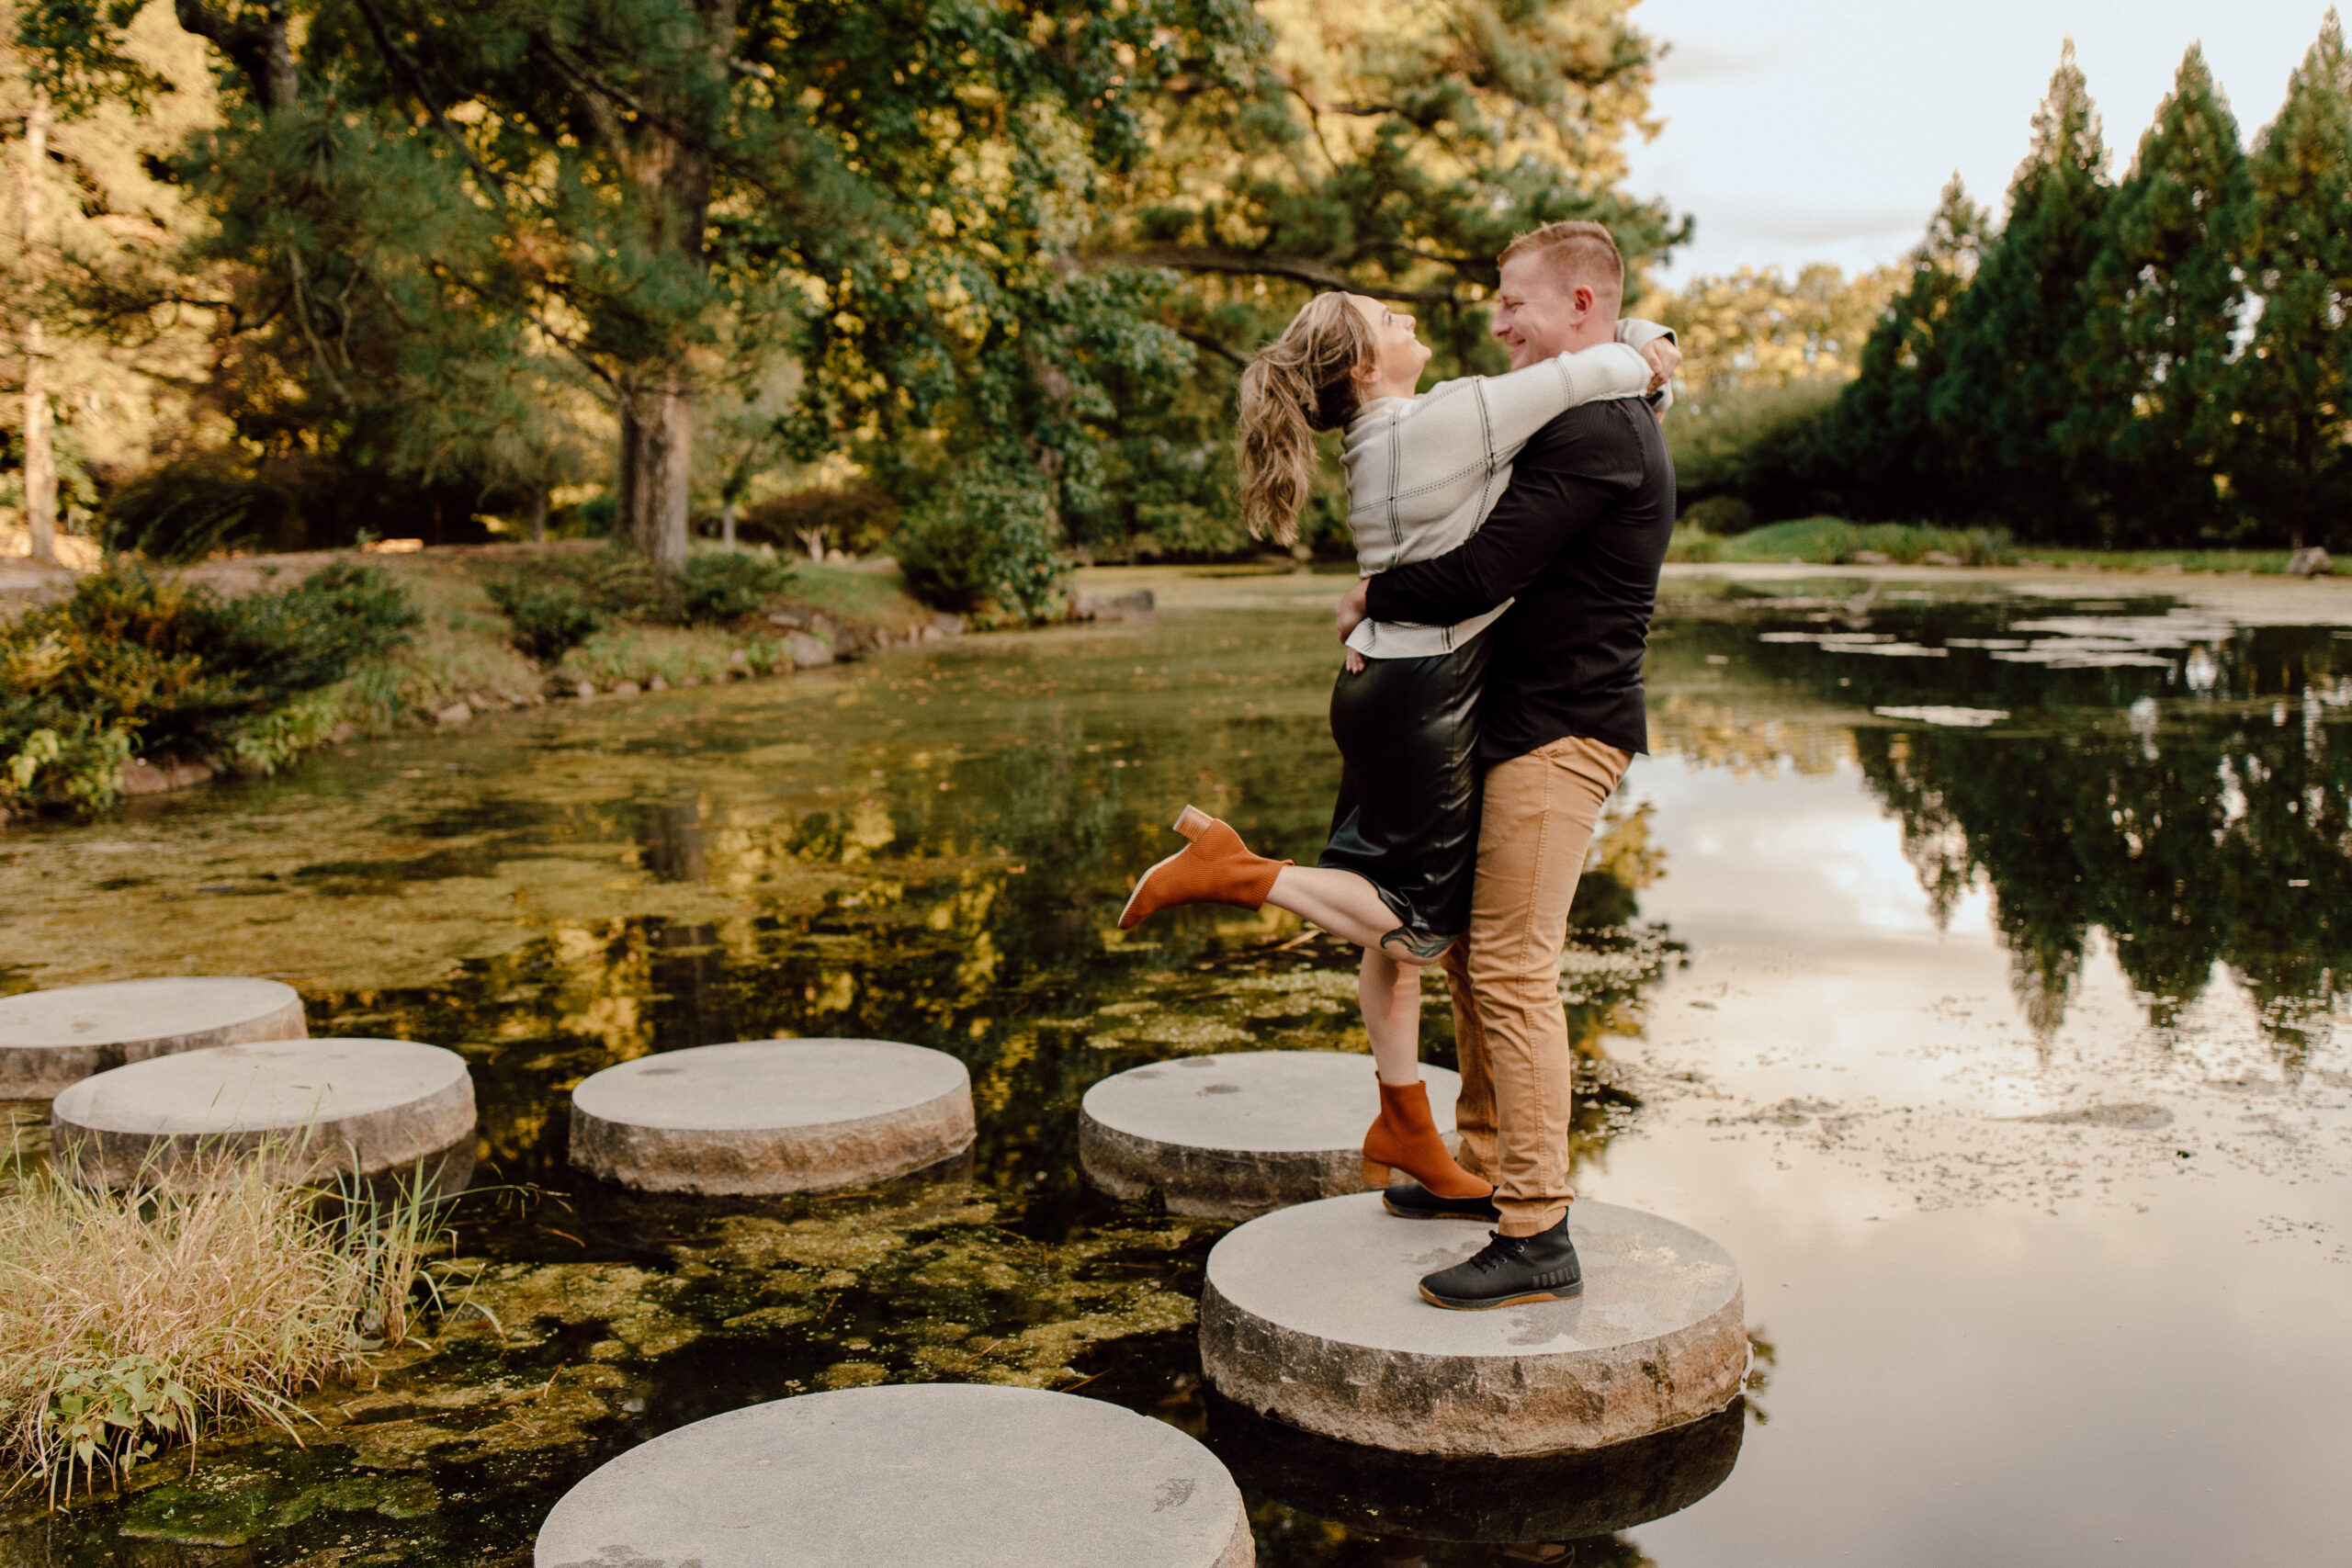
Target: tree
{"points": [[100, 385], [2293, 386], [2009, 382], [420, 190], [1882, 443], [1755, 328], [1381, 146], [2149, 433]]}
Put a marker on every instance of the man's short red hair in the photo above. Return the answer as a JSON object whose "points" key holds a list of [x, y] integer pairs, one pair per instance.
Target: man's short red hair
{"points": [[1578, 251]]}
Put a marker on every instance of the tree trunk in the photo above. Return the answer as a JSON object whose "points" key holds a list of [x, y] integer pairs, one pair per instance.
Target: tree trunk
{"points": [[657, 460], [673, 174], [538, 514], [40, 458], [727, 524]]}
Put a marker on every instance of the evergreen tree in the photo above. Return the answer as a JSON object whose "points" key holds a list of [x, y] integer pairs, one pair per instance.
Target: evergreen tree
{"points": [[1880, 445], [2008, 383], [2150, 432], [2293, 387], [419, 191]]}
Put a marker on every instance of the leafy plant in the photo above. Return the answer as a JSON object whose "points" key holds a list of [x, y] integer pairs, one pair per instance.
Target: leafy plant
{"points": [[551, 616], [985, 544], [729, 586], [136, 663]]}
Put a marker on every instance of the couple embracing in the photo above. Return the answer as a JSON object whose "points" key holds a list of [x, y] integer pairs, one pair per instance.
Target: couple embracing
{"points": [[1509, 530]]}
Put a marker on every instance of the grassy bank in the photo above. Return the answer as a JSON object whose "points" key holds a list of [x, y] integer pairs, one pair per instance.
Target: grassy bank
{"points": [[1832, 541], [144, 678], [137, 1320]]}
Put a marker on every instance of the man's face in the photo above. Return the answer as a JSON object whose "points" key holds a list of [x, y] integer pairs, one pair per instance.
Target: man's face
{"points": [[1538, 315]]}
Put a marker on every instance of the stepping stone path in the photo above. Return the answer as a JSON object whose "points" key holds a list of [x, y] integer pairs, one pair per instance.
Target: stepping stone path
{"points": [[357, 1107], [1230, 1136], [772, 1116], [1550, 1498], [50, 1039], [1313, 1315], [956, 1475]]}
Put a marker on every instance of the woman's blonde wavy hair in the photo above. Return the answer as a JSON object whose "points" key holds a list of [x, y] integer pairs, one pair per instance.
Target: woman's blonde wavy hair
{"points": [[1302, 382]]}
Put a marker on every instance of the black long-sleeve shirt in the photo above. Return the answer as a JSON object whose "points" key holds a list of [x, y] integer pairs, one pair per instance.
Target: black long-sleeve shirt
{"points": [[1579, 537]]}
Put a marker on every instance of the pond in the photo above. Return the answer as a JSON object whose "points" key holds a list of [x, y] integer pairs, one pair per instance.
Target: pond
{"points": [[1972, 959]]}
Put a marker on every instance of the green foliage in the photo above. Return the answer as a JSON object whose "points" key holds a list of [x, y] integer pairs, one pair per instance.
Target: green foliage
{"points": [[985, 544], [1758, 443], [729, 585], [855, 517], [138, 664], [2158, 364], [113, 1415], [1831, 541], [563, 600], [2148, 430], [2293, 386], [552, 616]]}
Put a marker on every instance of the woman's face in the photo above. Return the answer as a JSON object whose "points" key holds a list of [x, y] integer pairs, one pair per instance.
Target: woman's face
{"points": [[1396, 370]]}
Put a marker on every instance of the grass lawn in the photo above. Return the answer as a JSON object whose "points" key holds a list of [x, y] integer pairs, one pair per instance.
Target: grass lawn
{"points": [[1833, 541]]}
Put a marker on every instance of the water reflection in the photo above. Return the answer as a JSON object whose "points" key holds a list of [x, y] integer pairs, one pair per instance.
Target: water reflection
{"points": [[1540, 1509], [933, 847], [2157, 773]]}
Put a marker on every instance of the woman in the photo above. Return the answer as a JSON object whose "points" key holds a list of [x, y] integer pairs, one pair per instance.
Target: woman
{"points": [[1422, 474]]}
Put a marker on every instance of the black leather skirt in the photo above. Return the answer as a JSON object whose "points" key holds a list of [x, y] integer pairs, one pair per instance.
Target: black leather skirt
{"points": [[1408, 815]]}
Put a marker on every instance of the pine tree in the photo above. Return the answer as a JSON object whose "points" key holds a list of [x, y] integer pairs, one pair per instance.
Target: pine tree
{"points": [[2293, 387], [422, 191], [1880, 440], [2008, 383], [2150, 432]]}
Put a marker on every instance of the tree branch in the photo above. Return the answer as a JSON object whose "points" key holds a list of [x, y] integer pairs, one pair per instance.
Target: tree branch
{"points": [[1254, 263], [1202, 339], [402, 66]]}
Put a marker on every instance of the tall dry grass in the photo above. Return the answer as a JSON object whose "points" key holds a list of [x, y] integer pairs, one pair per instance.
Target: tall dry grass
{"points": [[135, 1319]]}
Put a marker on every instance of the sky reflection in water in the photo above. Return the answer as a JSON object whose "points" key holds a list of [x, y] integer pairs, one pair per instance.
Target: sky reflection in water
{"points": [[2001, 1038]]}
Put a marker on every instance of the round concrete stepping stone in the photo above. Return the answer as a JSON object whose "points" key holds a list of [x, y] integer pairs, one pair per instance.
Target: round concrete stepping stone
{"points": [[1547, 1498], [50, 1039], [1235, 1135], [359, 1107], [948, 1475], [772, 1116], [1314, 1315]]}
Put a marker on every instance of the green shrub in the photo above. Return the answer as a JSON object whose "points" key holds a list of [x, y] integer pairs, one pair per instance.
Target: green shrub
{"points": [[854, 517], [551, 616], [727, 586], [985, 544], [565, 599], [135, 664]]}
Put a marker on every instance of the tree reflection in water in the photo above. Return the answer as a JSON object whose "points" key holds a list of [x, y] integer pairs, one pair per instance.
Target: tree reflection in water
{"points": [[2179, 783]]}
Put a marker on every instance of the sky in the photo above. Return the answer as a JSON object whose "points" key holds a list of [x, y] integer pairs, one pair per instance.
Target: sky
{"points": [[1804, 130]]}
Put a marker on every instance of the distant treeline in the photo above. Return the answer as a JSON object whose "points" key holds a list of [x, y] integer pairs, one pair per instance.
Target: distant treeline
{"points": [[2154, 362]]}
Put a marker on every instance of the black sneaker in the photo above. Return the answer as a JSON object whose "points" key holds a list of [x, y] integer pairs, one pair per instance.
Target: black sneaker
{"points": [[1415, 1202], [1510, 1269]]}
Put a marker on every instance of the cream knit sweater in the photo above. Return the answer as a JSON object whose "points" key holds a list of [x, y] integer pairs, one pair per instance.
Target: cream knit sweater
{"points": [[1423, 472]]}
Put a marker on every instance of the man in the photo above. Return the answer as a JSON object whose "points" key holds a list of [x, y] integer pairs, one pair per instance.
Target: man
{"points": [[1578, 538]]}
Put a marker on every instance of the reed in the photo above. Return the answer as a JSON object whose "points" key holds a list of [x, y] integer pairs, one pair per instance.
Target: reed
{"points": [[133, 1320]]}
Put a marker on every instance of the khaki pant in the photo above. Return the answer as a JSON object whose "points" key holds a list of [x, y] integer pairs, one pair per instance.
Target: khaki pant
{"points": [[1508, 1023]]}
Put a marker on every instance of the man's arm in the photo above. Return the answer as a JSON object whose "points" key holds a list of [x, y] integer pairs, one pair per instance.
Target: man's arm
{"points": [[1567, 476]]}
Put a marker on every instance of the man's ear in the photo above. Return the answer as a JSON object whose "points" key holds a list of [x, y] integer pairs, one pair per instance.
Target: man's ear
{"points": [[1581, 297]]}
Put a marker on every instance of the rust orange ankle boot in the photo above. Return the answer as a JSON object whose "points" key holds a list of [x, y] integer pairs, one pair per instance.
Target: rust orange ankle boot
{"points": [[1217, 867], [1406, 1138]]}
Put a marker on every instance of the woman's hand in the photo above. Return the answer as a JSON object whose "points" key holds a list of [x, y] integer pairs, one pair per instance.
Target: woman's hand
{"points": [[1354, 662], [1350, 614], [1663, 359]]}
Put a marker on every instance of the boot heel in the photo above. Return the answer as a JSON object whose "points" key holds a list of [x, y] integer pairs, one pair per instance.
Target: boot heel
{"points": [[1375, 1175], [1192, 821]]}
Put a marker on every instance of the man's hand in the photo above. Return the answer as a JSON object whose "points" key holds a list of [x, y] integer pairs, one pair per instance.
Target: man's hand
{"points": [[1350, 613], [1663, 359]]}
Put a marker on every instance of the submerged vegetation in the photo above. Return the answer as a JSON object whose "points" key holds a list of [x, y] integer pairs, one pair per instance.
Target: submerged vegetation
{"points": [[134, 1320]]}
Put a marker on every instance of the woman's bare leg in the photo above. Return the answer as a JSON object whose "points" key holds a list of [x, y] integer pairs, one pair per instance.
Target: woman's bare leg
{"points": [[1346, 905], [1391, 995]]}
